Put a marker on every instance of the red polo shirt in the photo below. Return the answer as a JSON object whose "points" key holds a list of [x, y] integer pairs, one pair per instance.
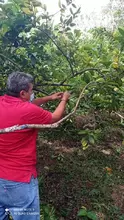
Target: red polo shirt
{"points": [[18, 149]]}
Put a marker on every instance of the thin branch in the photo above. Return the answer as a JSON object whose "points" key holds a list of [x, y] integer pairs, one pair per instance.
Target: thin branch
{"points": [[39, 90], [71, 67], [52, 84], [77, 73], [10, 61], [37, 126], [55, 13], [81, 72], [90, 69]]}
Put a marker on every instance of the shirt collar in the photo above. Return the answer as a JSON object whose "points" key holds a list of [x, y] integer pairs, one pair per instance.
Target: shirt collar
{"points": [[12, 98]]}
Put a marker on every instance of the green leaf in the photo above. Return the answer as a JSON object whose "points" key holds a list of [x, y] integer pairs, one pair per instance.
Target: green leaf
{"points": [[68, 29], [59, 4], [77, 33], [69, 21], [91, 215], [68, 2], [72, 24], [82, 212], [82, 132], [87, 77], [91, 140], [37, 3], [121, 30], [4, 29], [78, 11], [84, 144], [74, 5], [27, 11], [71, 11], [62, 10], [61, 19], [100, 80], [63, 6]]}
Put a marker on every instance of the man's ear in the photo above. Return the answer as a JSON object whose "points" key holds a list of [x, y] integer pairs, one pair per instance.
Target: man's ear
{"points": [[22, 94]]}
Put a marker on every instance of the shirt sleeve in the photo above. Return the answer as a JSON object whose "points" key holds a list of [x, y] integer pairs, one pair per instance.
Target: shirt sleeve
{"points": [[37, 115]]}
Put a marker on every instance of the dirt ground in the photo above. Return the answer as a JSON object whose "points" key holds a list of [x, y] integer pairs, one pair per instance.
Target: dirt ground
{"points": [[70, 178]]}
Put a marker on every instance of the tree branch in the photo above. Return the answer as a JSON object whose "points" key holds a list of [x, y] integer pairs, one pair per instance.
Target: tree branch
{"points": [[39, 90], [77, 73], [52, 15], [71, 67], [81, 72], [89, 69], [52, 84], [37, 126]]}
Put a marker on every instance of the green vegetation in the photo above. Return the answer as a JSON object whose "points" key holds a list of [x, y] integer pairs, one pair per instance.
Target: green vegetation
{"points": [[81, 182]]}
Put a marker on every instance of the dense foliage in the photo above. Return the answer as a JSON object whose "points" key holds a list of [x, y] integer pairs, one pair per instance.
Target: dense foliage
{"points": [[61, 55]]}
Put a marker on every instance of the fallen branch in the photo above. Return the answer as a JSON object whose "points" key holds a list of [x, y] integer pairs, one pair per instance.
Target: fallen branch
{"points": [[122, 117], [39, 126]]}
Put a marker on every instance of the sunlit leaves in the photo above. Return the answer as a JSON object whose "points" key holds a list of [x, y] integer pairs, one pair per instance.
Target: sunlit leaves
{"points": [[37, 3], [4, 29], [27, 11], [59, 4]]}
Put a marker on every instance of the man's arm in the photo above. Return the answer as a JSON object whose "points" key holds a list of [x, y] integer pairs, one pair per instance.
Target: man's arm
{"points": [[40, 101], [58, 113], [38, 115]]}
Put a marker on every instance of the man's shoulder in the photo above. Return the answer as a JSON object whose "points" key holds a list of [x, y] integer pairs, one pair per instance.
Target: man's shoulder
{"points": [[31, 108], [1, 97], [33, 114], [31, 105]]}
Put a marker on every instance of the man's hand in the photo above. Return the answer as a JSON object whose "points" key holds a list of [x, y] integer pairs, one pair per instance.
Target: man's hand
{"points": [[58, 113], [66, 96], [56, 96]]}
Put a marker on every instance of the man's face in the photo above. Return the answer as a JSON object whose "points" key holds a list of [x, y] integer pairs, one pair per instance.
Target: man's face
{"points": [[25, 96]]}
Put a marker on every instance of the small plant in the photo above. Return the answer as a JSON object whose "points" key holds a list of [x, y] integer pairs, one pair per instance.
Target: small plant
{"points": [[89, 137], [47, 212], [85, 214]]}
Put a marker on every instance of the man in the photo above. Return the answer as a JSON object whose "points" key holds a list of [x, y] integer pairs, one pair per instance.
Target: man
{"points": [[18, 176]]}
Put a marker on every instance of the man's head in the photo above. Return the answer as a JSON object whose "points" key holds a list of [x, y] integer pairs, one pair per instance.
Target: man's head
{"points": [[20, 85]]}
